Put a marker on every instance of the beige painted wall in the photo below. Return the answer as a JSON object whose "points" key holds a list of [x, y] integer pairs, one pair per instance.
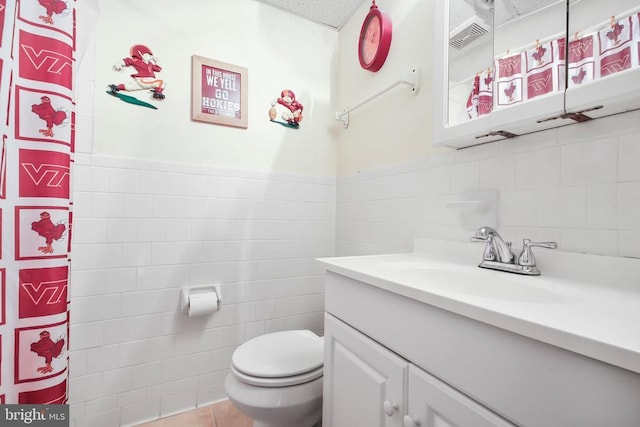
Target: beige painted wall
{"points": [[395, 127], [279, 50]]}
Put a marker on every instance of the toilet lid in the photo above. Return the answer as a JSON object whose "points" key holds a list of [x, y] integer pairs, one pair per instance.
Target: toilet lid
{"points": [[278, 382], [280, 354]]}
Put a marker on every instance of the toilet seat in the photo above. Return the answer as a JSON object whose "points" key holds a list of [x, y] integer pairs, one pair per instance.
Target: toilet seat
{"points": [[279, 359], [277, 382]]}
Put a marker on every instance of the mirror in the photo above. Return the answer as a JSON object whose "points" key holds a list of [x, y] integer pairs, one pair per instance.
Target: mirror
{"points": [[470, 53], [528, 50], [507, 68], [602, 38], [505, 52], [501, 53]]}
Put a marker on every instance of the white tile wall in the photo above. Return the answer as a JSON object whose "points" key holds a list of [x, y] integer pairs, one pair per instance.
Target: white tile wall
{"points": [[578, 185], [142, 230]]}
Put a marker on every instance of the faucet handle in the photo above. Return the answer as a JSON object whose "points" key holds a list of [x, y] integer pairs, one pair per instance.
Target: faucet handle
{"points": [[489, 253], [485, 235], [496, 248], [526, 258]]}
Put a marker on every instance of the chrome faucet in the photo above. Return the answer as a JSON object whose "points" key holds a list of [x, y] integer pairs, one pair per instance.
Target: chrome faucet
{"points": [[496, 248], [499, 256]]}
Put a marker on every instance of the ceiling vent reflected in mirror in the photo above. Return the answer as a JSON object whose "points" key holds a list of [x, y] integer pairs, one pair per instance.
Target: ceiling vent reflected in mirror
{"points": [[468, 32]]}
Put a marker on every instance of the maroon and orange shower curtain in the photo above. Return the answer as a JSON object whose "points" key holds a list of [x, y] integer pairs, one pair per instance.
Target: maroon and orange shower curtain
{"points": [[37, 49]]}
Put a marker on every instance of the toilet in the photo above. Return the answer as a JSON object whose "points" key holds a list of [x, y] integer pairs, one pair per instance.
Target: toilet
{"points": [[276, 379]]}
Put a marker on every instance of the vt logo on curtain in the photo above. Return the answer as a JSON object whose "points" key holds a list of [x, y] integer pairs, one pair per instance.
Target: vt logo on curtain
{"points": [[37, 117]]}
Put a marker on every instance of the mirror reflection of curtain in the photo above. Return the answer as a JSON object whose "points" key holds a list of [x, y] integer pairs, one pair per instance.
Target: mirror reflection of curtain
{"points": [[37, 49]]}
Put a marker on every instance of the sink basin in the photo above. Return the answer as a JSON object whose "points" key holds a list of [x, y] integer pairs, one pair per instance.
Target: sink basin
{"points": [[421, 264], [473, 284], [463, 280]]}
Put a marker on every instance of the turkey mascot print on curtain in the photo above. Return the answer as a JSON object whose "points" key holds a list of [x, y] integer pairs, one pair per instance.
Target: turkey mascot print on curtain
{"points": [[37, 50]]}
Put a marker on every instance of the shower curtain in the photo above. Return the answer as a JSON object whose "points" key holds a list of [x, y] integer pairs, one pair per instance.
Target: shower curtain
{"points": [[37, 107]]}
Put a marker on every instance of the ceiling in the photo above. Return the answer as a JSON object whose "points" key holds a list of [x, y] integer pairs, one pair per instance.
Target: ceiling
{"points": [[492, 12], [335, 13], [331, 13]]}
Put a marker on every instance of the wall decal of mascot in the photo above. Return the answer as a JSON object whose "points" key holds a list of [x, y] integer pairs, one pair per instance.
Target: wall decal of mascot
{"points": [[146, 66], [292, 115]]}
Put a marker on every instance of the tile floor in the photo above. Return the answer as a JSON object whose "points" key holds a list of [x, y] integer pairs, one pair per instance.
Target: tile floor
{"points": [[221, 414]]}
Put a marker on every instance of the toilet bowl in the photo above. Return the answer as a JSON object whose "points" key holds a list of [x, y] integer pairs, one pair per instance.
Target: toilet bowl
{"points": [[276, 379]]}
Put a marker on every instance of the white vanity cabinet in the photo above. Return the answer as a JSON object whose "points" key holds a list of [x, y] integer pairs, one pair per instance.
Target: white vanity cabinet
{"points": [[399, 354], [366, 384]]}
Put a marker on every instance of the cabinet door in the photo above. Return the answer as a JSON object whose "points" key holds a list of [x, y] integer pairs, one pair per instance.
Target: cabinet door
{"points": [[363, 381], [433, 403]]}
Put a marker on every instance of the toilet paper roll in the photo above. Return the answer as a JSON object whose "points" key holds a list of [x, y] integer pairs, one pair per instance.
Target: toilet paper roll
{"points": [[203, 303]]}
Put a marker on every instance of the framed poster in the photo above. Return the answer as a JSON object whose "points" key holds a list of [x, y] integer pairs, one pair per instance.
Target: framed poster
{"points": [[219, 92]]}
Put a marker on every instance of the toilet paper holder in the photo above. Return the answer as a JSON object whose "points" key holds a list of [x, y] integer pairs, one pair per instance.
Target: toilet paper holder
{"points": [[188, 290]]}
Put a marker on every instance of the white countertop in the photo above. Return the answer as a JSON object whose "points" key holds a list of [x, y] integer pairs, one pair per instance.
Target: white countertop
{"points": [[587, 304]]}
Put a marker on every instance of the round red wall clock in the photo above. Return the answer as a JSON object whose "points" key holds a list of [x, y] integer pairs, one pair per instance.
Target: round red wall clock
{"points": [[375, 39]]}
